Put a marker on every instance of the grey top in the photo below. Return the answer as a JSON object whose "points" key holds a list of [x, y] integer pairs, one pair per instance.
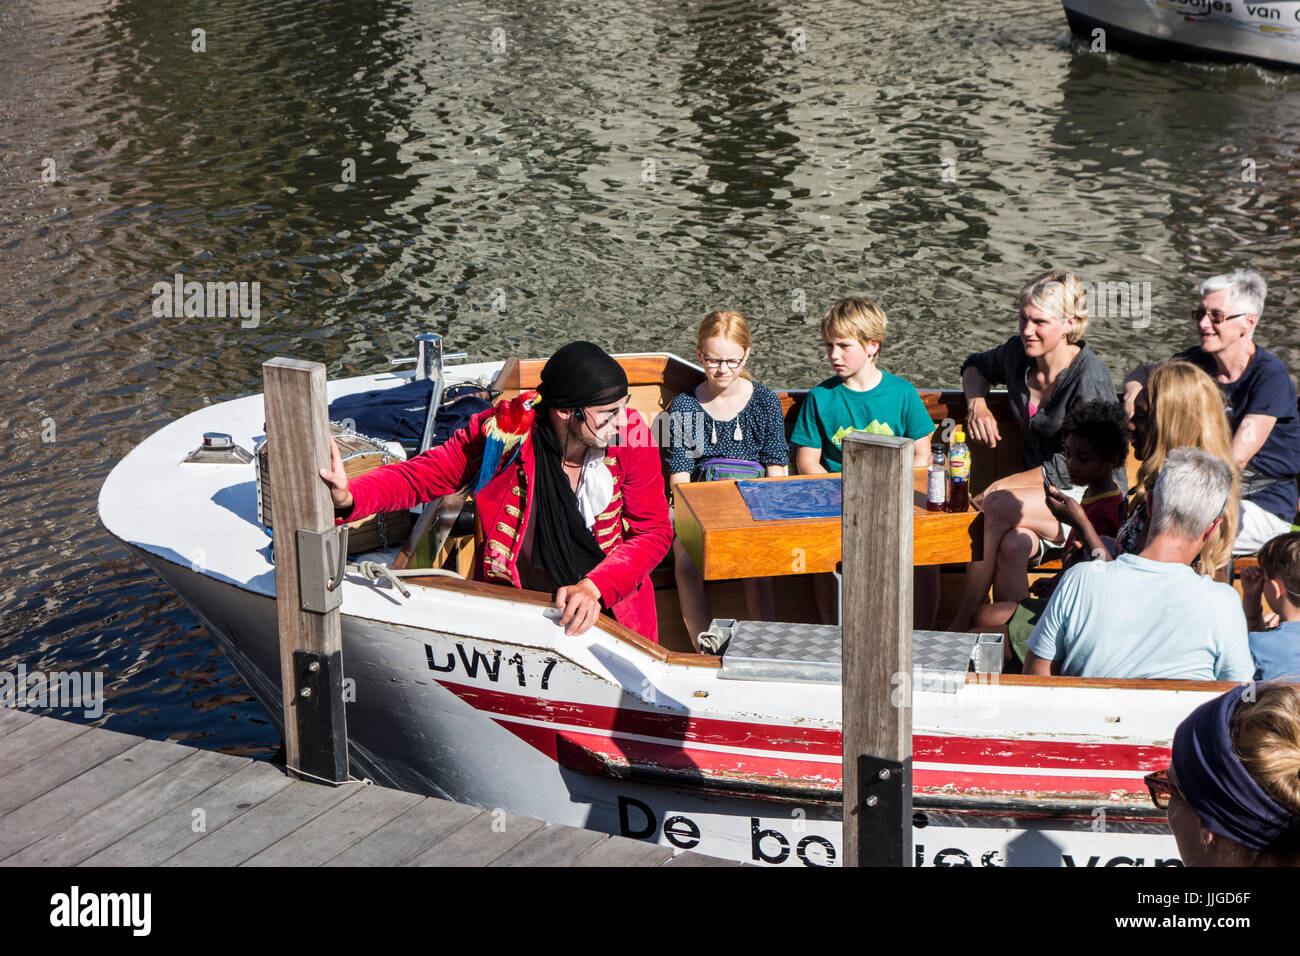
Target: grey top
{"points": [[1085, 380]]}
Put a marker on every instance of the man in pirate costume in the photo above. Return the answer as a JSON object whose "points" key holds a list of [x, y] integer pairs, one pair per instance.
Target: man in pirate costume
{"points": [[560, 509]]}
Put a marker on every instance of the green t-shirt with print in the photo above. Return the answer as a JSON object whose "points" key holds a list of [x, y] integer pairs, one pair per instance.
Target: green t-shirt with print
{"points": [[832, 410]]}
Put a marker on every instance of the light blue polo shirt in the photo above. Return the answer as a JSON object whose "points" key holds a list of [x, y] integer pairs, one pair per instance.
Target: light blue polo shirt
{"points": [[1277, 652], [1133, 617]]}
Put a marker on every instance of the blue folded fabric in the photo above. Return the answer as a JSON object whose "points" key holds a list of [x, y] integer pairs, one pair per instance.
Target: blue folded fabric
{"points": [[778, 500]]}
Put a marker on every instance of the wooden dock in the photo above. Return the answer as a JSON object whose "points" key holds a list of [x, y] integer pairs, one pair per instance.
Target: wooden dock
{"points": [[76, 795]]}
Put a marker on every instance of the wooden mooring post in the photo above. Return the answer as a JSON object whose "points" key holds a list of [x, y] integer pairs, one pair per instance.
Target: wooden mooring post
{"points": [[309, 561], [876, 630]]}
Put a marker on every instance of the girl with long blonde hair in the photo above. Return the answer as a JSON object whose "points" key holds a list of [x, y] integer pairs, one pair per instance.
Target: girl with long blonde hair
{"points": [[1186, 411]]}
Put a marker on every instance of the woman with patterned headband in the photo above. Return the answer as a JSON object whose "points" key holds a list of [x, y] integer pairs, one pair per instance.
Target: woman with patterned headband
{"points": [[1232, 790]]}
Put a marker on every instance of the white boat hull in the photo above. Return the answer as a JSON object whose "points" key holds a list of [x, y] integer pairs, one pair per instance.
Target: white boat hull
{"points": [[1267, 32], [416, 729]]}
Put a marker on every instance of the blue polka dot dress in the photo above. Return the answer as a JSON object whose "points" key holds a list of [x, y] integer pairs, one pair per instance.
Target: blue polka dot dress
{"points": [[757, 434]]}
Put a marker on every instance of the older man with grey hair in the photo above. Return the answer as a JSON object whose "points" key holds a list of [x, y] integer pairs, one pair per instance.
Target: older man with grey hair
{"points": [[1150, 614], [1259, 397]]}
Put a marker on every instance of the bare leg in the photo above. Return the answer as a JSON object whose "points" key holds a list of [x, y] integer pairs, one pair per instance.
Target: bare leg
{"points": [[690, 593], [824, 593], [1015, 501], [992, 618], [1001, 512], [1011, 578], [760, 599], [925, 596]]}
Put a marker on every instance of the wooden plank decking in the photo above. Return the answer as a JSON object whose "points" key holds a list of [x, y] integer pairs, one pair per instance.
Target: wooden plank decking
{"points": [[75, 795]]}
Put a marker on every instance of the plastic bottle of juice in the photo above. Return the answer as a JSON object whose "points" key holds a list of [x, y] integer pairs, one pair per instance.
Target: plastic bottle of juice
{"points": [[958, 472], [936, 487]]}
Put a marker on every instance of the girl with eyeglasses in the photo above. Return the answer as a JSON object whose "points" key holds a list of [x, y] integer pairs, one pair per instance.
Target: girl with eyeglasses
{"points": [[727, 427]]}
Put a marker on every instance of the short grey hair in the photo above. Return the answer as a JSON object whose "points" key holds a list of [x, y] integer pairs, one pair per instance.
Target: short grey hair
{"points": [[1248, 289], [1192, 490]]}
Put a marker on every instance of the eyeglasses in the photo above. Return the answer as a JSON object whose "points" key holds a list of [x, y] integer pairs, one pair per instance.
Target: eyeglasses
{"points": [[1217, 318], [1161, 785], [718, 363], [598, 425]]}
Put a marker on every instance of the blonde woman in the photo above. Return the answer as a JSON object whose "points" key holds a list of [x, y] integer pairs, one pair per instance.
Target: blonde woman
{"points": [[1048, 369], [728, 426]]}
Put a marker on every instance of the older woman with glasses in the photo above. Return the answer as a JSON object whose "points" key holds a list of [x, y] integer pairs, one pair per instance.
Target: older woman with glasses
{"points": [[1258, 396], [1048, 369], [1232, 790]]}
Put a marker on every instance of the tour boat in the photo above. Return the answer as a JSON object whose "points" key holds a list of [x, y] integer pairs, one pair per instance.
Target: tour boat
{"points": [[1266, 32], [470, 691]]}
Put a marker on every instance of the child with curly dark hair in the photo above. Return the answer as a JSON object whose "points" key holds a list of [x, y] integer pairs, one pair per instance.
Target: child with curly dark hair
{"points": [[1096, 443]]}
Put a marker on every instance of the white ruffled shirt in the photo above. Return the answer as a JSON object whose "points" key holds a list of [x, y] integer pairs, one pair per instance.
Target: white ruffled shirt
{"points": [[595, 486]]}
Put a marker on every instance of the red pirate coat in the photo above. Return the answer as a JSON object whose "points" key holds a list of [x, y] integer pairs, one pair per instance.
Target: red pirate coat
{"points": [[634, 530]]}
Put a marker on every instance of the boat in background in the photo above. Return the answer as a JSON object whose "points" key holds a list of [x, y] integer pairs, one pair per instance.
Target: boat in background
{"points": [[1266, 32]]}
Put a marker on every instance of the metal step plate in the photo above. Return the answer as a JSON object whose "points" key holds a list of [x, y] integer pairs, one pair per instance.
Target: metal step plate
{"points": [[774, 650]]}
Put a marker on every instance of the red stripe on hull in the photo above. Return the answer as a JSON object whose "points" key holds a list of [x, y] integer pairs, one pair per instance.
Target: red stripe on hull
{"points": [[624, 753], [682, 731], [1053, 786]]}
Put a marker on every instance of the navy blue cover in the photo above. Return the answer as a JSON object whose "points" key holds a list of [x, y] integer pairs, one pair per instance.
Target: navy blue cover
{"points": [[397, 414], [809, 498]]}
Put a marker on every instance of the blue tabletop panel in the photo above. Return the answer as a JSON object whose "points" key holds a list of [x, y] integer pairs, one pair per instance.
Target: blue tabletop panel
{"points": [[777, 500]]}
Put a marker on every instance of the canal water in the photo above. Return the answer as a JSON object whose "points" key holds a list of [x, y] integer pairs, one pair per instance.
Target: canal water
{"points": [[515, 175]]}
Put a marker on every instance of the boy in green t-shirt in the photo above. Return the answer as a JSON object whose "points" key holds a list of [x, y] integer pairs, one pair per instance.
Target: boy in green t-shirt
{"points": [[861, 397]]}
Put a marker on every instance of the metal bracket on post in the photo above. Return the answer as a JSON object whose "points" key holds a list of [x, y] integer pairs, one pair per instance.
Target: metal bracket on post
{"points": [[322, 558], [839, 593], [428, 365], [318, 698], [886, 807]]}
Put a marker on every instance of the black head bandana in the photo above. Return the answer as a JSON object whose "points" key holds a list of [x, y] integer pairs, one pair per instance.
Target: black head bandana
{"points": [[582, 374]]}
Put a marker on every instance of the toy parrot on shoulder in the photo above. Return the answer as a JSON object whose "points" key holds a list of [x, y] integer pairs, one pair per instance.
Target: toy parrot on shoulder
{"points": [[505, 431]]}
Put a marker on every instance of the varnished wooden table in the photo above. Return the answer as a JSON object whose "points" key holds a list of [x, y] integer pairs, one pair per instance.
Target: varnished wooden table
{"points": [[714, 524]]}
